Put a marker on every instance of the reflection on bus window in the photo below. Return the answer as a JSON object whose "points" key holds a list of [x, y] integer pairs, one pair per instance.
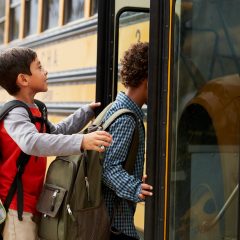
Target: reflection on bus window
{"points": [[50, 13], [206, 116], [2, 20], [74, 9], [94, 7], [31, 13], [15, 11]]}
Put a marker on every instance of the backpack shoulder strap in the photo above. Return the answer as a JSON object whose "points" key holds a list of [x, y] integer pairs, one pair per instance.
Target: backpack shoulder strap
{"points": [[9, 106], [22, 161], [129, 163], [116, 115], [101, 115], [43, 109]]}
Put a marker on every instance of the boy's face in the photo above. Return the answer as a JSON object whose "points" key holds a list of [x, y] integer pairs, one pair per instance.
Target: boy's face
{"points": [[38, 80]]}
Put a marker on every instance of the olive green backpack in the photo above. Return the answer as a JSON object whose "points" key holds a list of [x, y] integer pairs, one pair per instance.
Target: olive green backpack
{"points": [[71, 202]]}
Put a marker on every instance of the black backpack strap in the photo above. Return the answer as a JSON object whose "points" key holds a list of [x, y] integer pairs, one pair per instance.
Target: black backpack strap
{"points": [[129, 163], [9, 106], [16, 103], [43, 109], [21, 161], [17, 185]]}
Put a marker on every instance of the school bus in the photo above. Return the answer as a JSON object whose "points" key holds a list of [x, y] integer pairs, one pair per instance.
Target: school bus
{"points": [[64, 35], [192, 116]]}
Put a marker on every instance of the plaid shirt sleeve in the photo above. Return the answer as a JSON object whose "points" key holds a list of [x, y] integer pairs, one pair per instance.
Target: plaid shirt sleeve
{"points": [[114, 176]]}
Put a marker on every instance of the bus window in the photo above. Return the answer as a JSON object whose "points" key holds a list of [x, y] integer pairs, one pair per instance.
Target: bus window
{"points": [[15, 11], [94, 5], [205, 126], [31, 13], [133, 27], [73, 10], [2, 20], [50, 13]]}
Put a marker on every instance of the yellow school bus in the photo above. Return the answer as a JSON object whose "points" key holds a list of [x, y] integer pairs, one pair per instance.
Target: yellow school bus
{"points": [[64, 35], [192, 117]]}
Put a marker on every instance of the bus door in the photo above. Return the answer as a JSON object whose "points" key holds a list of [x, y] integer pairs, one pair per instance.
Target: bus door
{"points": [[194, 111], [120, 24]]}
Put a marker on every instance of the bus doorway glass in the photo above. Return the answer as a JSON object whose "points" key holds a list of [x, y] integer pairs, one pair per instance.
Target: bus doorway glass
{"points": [[205, 121]]}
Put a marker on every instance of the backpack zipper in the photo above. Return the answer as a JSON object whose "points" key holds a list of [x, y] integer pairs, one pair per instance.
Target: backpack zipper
{"points": [[70, 213]]}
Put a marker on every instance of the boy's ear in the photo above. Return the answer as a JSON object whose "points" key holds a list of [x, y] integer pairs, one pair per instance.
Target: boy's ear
{"points": [[22, 80]]}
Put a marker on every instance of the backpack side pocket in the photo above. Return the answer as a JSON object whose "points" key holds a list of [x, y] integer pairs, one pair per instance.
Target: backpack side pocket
{"points": [[50, 200]]}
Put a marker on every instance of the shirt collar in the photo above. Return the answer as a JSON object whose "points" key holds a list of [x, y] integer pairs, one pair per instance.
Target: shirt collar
{"points": [[123, 98]]}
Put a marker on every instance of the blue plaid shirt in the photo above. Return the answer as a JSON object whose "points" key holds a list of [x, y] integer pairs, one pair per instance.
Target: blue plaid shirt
{"points": [[116, 180]]}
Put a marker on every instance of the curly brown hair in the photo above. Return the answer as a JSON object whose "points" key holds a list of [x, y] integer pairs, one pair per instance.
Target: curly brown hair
{"points": [[135, 65]]}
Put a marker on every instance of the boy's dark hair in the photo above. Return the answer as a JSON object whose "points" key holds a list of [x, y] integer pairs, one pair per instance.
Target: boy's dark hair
{"points": [[14, 61], [135, 65]]}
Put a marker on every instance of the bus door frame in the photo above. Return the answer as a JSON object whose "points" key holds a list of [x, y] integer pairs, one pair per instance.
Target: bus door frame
{"points": [[105, 49], [156, 212]]}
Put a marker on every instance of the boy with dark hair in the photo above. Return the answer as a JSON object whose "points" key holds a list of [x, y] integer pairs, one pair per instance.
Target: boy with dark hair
{"points": [[23, 76], [121, 190]]}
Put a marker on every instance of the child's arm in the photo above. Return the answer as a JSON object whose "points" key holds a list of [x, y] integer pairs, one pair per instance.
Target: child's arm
{"points": [[73, 123], [25, 134]]}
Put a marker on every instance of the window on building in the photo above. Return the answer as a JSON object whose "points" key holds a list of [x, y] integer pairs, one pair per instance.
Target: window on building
{"points": [[50, 13], [31, 17], [94, 7], [2, 20], [15, 11], [74, 9]]}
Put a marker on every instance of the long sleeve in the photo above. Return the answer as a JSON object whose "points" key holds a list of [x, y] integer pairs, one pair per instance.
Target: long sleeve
{"points": [[24, 133], [114, 176], [73, 123]]}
